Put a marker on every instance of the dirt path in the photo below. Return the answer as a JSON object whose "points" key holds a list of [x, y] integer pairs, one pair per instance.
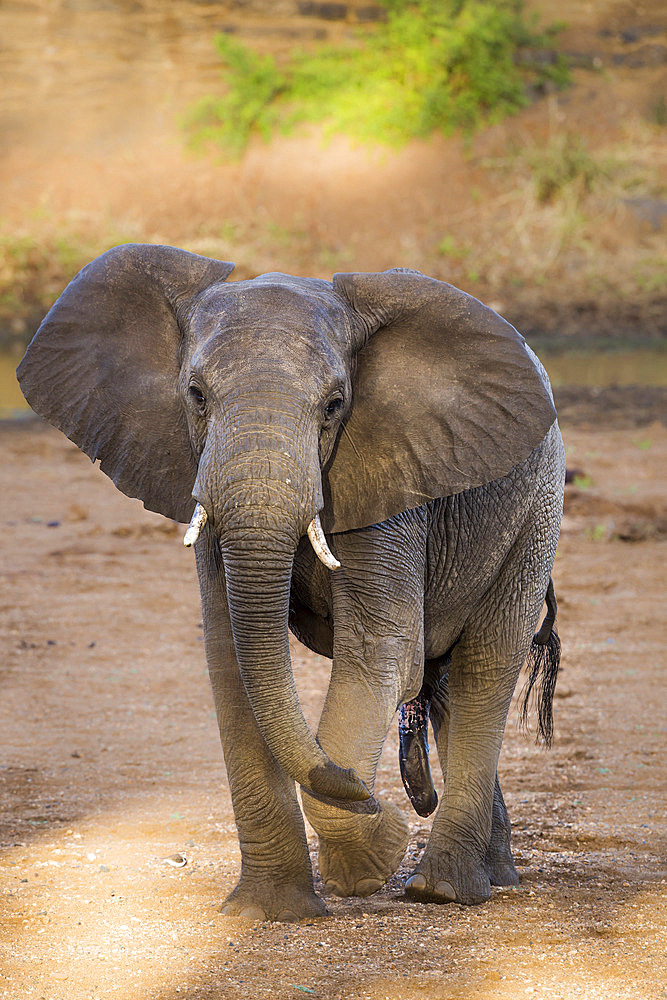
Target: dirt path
{"points": [[112, 764]]}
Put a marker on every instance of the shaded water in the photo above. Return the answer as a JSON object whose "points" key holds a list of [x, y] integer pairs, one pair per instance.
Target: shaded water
{"points": [[640, 367], [643, 367], [12, 403]]}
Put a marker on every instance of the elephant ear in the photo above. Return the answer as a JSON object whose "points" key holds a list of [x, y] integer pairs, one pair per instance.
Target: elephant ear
{"points": [[447, 397], [104, 368]]}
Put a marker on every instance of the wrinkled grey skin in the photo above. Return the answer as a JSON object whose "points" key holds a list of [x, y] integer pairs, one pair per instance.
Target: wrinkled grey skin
{"points": [[242, 410]]}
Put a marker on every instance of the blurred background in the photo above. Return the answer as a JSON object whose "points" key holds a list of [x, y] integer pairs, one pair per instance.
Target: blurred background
{"points": [[517, 152]]}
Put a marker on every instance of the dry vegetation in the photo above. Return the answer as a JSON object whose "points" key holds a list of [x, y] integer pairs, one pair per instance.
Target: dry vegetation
{"points": [[556, 215]]}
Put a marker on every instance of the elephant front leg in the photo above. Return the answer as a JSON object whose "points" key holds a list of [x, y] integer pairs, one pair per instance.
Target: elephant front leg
{"points": [[276, 880], [361, 844], [378, 658]]}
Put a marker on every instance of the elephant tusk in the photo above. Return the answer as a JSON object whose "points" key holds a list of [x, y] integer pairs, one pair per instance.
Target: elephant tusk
{"points": [[198, 521], [319, 543]]}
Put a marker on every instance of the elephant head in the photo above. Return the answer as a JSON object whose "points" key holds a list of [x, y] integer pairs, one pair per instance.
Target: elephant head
{"points": [[274, 403]]}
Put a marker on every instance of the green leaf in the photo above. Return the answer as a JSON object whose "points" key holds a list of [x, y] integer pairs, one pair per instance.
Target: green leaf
{"points": [[433, 65]]}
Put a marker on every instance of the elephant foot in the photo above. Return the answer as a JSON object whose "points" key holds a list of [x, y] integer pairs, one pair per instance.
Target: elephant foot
{"points": [[501, 870], [498, 860], [449, 877], [257, 901], [365, 852]]}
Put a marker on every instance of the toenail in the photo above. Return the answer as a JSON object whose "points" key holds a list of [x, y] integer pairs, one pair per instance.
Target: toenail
{"points": [[416, 882], [287, 916], [252, 912], [445, 890], [367, 886]]}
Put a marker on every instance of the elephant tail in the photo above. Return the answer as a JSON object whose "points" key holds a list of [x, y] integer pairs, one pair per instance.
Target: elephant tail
{"points": [[543, 664]]}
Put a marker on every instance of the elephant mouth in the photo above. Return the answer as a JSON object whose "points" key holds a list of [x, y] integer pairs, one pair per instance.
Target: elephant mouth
{"points": [[315, 534]]}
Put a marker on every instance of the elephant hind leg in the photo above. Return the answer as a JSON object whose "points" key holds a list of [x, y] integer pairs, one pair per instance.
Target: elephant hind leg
{"points": [[498, 859], [456, 875], [433, 704], [463, 855], [471, 714]]}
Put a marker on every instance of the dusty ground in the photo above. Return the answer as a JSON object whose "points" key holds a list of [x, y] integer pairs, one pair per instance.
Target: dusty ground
{"points": [[112, 765]]}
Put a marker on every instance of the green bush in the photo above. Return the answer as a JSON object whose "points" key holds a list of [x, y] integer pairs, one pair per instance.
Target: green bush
{"points": [[434, 64]]}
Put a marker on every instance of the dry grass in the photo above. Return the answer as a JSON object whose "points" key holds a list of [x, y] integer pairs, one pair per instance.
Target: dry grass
{"points": [[535, 214]]}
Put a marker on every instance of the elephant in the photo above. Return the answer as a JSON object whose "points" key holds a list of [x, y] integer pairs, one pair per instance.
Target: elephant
{"points": [[372, 462]]}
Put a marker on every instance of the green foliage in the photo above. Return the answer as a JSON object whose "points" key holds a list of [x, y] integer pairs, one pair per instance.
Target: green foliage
{"points": [[650, 273], [23, 256], [35, 266], [434, 64], [597, 533], [254, 83]]}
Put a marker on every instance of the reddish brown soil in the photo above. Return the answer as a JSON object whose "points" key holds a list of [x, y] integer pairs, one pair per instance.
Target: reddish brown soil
{"points": [[112, 764]]}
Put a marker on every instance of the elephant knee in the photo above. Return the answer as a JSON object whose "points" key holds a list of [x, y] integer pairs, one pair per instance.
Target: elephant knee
{"points": [[335, 821]]}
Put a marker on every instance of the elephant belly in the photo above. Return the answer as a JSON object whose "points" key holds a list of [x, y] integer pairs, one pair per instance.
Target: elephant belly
{"points": [[470, 538]]}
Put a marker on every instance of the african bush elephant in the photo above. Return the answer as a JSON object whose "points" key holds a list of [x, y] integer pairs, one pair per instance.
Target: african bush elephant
{"points": [[409, 432]]}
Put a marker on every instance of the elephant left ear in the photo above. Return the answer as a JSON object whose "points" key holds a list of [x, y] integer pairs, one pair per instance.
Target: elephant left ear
{"points": [[447, 397], [104, 367]]}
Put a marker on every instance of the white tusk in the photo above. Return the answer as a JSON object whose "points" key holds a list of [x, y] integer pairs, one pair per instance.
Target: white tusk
{"points": [[319, 543], [198, 521]]}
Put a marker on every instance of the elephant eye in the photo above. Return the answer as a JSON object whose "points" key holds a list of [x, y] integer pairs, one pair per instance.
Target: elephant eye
{"points": [[334, 407], [197, 396]]}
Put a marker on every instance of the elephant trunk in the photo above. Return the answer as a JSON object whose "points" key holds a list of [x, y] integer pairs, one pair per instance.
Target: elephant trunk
{"points": [[315, 534], [261, 499], [258, 587]]}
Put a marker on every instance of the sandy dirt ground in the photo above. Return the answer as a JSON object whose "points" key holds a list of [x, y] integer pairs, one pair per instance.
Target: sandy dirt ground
{"points": [[111, 764]]}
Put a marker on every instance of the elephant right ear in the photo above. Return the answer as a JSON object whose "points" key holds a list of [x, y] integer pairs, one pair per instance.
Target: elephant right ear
{"points": [[447, 397], [104, 367]]}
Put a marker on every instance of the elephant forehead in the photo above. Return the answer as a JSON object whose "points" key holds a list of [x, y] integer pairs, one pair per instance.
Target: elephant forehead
{"points": [[277, 302]]}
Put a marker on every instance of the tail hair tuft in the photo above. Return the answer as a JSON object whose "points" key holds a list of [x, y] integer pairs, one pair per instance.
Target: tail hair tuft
{"points": [[543, 664]]}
